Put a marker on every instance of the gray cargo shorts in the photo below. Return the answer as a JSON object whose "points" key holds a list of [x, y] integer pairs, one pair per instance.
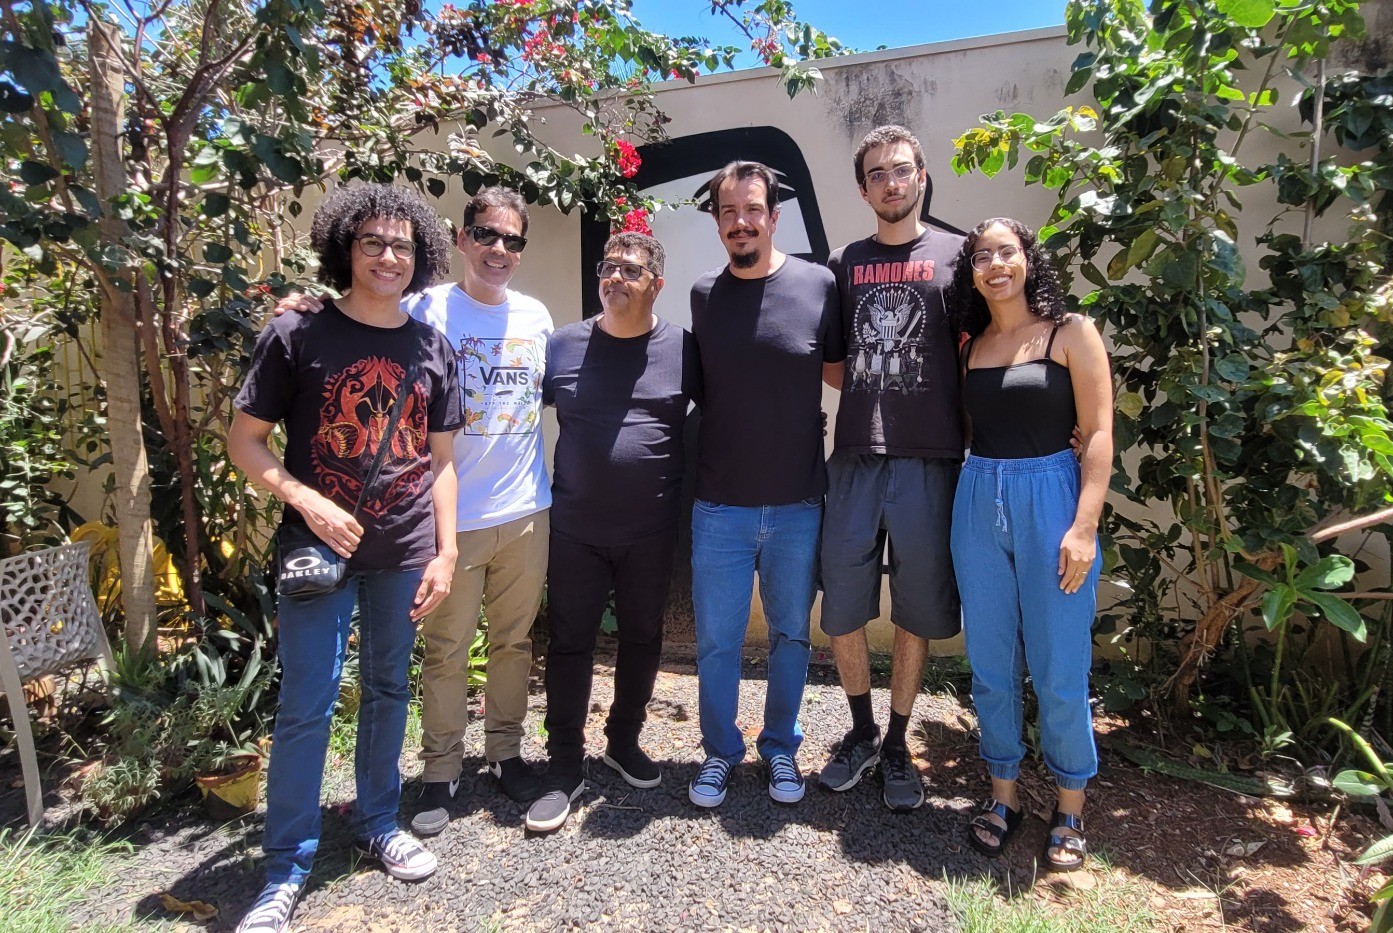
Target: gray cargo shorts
{"points": [[909, 500]]}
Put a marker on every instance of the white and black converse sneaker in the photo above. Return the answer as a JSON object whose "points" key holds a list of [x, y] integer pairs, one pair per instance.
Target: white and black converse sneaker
{"points": [[401, 856], [271, 912]]}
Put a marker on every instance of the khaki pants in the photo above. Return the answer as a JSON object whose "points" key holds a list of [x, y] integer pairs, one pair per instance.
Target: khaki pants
{"points": [[505, 567]]}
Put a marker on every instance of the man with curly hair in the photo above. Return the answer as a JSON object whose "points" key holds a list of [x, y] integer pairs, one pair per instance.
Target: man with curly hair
{"points": [[333, 379], [897, 447], [498, 337]]}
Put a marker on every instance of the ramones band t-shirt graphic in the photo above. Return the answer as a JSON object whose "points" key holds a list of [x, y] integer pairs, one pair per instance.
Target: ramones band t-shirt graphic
{"points": [[900, 387], [332, 381]]}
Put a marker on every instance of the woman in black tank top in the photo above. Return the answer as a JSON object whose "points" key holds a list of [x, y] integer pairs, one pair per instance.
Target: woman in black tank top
{"points": [[1025, 522]]}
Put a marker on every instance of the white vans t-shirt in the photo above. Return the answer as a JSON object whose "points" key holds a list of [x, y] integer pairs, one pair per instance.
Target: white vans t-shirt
{"points": [[501, 352]]}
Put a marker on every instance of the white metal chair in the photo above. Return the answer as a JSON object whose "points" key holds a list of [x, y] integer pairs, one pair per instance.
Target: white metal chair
{"points": [[48, 622]]}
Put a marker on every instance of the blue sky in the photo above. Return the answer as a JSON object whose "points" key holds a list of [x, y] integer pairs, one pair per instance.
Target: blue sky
{"points": [[860, 24]]}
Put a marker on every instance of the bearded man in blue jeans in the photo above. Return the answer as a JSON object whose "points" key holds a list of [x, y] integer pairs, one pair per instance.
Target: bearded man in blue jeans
{"points": [[764, 325]]}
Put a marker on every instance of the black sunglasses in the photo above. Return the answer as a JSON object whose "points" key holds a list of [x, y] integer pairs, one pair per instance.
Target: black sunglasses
{"points": [[487, 236]]}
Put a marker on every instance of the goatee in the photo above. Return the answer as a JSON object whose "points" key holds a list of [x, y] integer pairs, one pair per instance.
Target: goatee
{"points": [[745, 260]]}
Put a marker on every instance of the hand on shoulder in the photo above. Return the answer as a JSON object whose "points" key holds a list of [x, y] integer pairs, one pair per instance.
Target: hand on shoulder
{"points": [[298, 301]]}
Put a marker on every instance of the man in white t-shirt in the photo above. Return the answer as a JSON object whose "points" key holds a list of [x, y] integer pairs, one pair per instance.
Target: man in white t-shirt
{"points": [[500, 338], [500, 342]]}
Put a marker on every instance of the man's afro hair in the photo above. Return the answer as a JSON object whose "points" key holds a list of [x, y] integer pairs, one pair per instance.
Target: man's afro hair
{"points": [[339, 218]]}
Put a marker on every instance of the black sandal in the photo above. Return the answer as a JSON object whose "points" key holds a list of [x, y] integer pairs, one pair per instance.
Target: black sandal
{"points": [[1077, 846], [1001, 835]]}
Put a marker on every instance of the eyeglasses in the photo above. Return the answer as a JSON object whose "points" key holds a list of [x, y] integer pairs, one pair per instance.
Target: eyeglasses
{"points": [[1008, 254], [899, 173], [374, 246], [628, 271], [487, 236]]}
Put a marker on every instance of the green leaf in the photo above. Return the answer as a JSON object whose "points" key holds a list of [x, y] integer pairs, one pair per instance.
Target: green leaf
{"points": [[268, 149], [215, 204], [436, 187], [1339, 613], [216, 253], [1277, 604], [1180, 271], [1142, 247], [1233, 368], [1330, 573], [1257, 573], [1358, 783], [71, 149], [37, 70], [13, 100], [1252, 14], [201, 288], [36, 173], [1377, 852]]}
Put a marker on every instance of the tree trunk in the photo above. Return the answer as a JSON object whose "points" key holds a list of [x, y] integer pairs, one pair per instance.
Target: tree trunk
{"points": [[120, 352]]}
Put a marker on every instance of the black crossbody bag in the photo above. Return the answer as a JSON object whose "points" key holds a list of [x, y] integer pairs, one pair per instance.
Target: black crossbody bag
{"points": [[306, 566]]}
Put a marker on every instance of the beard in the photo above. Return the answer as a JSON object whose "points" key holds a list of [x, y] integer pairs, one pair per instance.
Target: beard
{"points": [[895, 213], [745, 260]]}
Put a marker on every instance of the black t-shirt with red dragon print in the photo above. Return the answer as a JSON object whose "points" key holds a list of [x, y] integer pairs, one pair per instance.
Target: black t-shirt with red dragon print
{"points": [[332, 381]]}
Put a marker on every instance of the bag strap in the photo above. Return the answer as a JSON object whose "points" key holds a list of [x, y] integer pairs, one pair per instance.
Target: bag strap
{"points": [[408, 385]]}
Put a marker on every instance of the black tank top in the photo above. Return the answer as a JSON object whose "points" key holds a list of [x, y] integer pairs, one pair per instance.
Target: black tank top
{"points": [[1022, 410]]}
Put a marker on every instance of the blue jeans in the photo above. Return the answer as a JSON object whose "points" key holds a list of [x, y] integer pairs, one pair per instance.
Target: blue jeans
{"points": [[313, 639], [1009, 517], [730, 544]]}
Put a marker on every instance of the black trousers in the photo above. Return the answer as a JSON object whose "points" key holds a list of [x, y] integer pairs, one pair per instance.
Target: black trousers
{"points": [[579, 580]]}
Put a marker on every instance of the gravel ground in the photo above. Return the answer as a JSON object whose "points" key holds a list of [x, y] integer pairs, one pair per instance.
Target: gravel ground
{"points": [[627, 859]]}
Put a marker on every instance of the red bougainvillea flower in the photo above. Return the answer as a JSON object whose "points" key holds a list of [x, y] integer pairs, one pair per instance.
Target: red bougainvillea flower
{"points": [[636, 221], [629, 160]]}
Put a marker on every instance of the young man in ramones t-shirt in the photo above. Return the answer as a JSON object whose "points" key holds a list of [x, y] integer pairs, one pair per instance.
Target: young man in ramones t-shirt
{"points": [[332, 380], [894, 466]]}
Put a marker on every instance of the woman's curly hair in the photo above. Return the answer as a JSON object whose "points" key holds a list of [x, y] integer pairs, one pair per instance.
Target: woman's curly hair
{"points": [[1043, 293], [340, 217]]}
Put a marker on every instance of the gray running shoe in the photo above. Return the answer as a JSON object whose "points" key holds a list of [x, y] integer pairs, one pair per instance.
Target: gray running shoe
{"points": [[900, 779], [550, 810], [852, 759]]}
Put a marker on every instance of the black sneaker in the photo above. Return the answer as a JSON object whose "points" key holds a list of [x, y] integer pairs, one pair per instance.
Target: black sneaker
{"points": [[517, 779], [272, 910], [633, 765], [902, 789], [854, 756], [433, 810], [550, 810]]}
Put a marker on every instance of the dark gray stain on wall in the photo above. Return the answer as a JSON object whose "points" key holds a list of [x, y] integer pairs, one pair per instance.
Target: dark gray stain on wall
{"points": [[860, 99]]}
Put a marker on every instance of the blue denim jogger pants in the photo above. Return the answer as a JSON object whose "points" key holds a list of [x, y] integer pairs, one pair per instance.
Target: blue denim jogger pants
{"points": [[1009, 517]]}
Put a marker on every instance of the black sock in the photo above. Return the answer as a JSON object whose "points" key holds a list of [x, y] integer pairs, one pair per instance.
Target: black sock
{"points": [[862, 716], [894, 733]]}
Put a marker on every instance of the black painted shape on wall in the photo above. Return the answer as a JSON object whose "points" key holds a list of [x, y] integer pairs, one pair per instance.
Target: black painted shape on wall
{"points": [[702, 154]]}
